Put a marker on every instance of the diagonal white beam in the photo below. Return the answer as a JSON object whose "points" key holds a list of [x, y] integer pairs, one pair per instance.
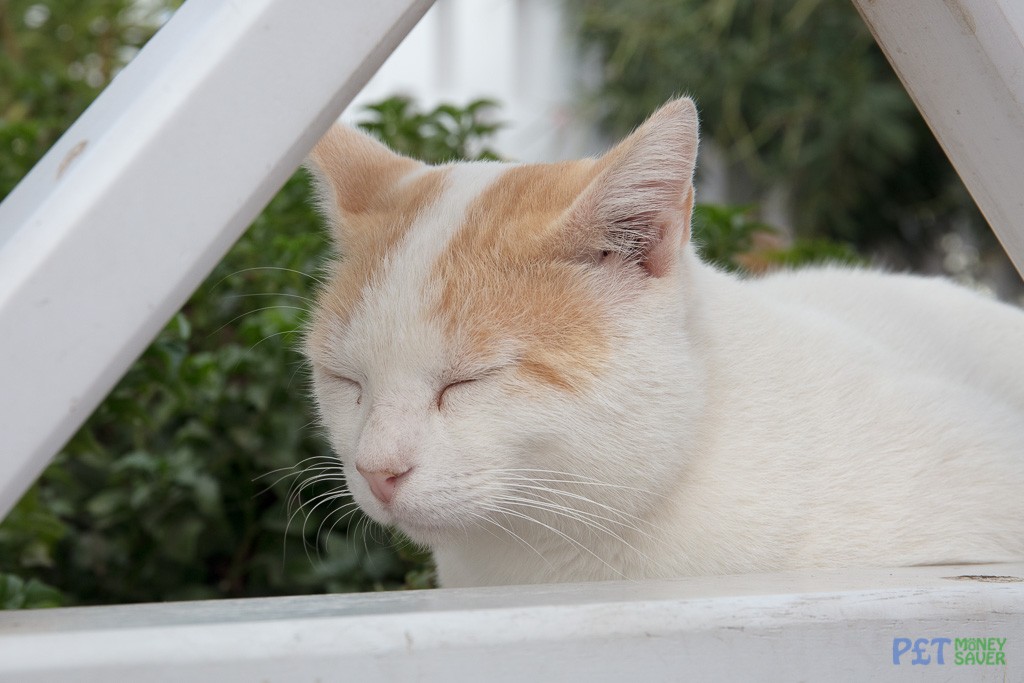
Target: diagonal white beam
{"points": [[135, 204], [962, 61]]}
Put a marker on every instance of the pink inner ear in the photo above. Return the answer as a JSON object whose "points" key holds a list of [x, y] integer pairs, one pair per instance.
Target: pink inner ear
{"points": [[661, 255], [671, 232], [639, 212], [674, 233], [649, 233], [639, 205]]}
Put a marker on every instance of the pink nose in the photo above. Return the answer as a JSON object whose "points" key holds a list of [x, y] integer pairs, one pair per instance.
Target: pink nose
{"points": [[383, 482]]}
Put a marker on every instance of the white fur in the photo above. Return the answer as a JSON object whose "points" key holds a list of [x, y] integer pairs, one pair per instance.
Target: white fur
{"points": [[822, 418]]}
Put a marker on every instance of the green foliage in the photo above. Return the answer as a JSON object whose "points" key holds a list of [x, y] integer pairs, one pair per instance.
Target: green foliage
{"points": [[733, 238], [445, 133], [16, 593], [55, 57], [197, 476], [721, 232], [791, 90]]}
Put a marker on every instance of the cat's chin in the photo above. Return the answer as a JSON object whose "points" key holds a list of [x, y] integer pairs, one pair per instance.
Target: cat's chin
{"points": [[426, 533], [419, 526]]}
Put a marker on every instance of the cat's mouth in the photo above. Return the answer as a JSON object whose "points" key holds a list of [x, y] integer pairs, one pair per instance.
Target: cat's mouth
{"points": [[424, 524]]}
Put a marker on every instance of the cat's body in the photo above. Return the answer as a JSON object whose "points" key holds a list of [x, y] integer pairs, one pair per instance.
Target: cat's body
{"points": [[529, 370]]}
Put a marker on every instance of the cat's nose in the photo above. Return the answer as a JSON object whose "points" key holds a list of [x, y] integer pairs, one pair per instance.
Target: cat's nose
{"points": [[383, 482]]}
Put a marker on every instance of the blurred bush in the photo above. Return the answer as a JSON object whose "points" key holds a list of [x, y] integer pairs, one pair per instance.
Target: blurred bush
{"points": [[796, 95], [188, 480]]}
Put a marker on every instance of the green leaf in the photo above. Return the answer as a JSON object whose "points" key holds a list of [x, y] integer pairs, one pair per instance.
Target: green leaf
{"points": [[17, 593]]}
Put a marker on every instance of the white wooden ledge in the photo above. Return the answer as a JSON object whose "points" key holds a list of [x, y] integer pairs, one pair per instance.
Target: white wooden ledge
{"points": [[811, 625]]}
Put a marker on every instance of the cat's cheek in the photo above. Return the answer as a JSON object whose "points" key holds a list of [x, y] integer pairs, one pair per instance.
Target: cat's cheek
{"points": [[342, 413]]}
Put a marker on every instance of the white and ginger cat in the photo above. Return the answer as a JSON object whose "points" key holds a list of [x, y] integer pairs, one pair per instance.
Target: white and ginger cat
{"points": [[528, 369]]}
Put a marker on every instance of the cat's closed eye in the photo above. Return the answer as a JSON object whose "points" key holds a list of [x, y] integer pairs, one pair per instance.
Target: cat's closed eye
{"points": [[456, 385], [351, 383], [452, 385]]}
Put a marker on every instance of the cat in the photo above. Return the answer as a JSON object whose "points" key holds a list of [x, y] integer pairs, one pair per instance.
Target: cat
{"points": [[528, 369]]}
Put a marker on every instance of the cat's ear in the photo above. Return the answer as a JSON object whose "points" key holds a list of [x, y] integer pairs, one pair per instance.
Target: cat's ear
{"points": [[353, 172], [638, 207]]}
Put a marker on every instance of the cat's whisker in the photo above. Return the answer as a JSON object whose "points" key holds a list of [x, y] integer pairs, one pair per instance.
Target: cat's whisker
{"points": [[333, 494], [285, 295], [304, 507], [379, 534], [568, 513], [316, 501], [296, 488], [366, 521], [257, 310], [297, 465], [574, 475], [325, 465], [348, 508], [279, 268], [477, 518], [312, 476], [588, 482], [271, 336], [587, 501], [634, 523], [350, 514], [513, 534], [274, 483], [294, 473], [575, 478], [593, 516], [588, 520], [303, 364], [518, 482], [558, 532]]}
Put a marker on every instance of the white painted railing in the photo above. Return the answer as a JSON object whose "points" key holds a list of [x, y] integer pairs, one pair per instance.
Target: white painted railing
{"points": [[801, 626], [115, 226]]}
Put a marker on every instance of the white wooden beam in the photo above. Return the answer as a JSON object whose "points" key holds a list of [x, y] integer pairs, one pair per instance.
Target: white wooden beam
{"points": [[962, 61], [108, 235], [810, 625]]}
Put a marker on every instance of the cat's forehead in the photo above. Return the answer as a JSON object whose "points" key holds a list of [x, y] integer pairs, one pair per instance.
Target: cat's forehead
{"points": [[437, 220], [464, 255]]}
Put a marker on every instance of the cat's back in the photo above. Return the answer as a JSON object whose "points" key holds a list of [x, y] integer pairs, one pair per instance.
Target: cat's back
{"points": [[868, 398], [924, 325]]}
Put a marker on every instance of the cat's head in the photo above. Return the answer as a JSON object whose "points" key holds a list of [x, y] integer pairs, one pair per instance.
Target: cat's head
{"points": [[491, 330]]}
